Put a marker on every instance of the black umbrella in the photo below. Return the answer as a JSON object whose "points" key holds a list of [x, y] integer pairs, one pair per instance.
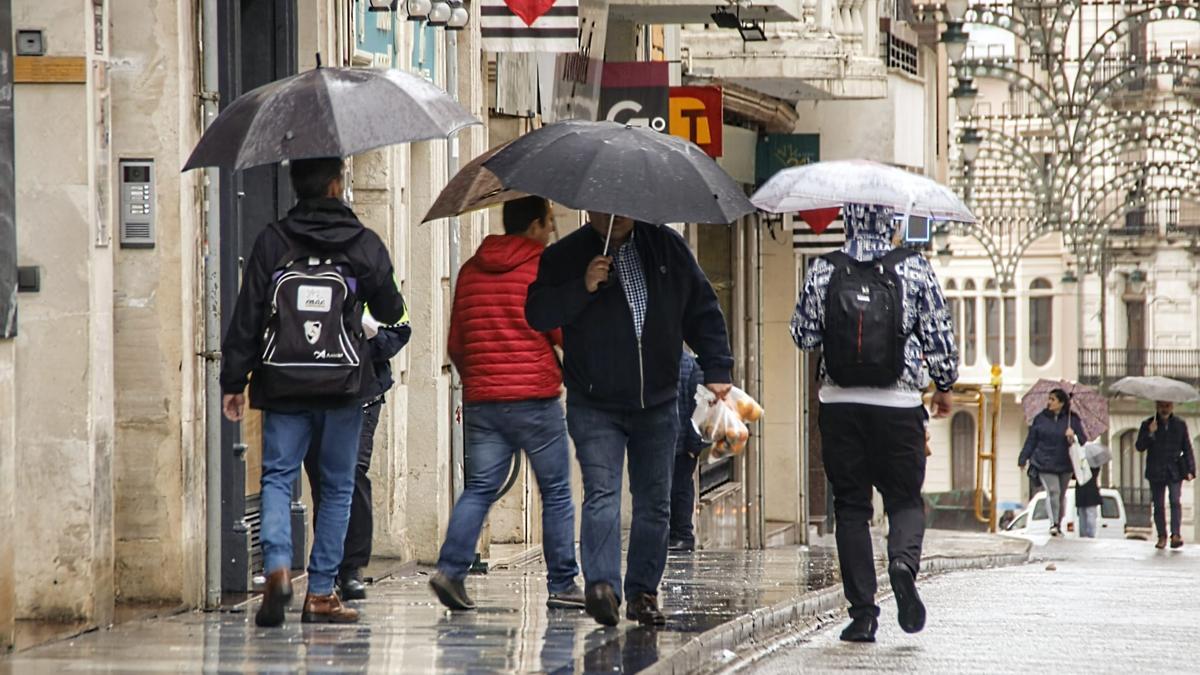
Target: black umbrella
{"points": [[327, 112], [621, 170]]}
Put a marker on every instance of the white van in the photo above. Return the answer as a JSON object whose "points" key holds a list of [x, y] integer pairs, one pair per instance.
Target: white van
{"points": [[1035, 519]]}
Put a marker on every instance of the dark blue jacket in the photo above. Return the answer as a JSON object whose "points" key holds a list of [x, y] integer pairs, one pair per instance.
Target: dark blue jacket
{"points": [[688, 441], [604, 366], [1046, 447], [387, 343], [1169, 456]]}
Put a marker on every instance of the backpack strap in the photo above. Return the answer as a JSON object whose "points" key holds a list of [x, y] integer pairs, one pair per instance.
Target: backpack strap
{"points": [[838, 259], [896, 256]]}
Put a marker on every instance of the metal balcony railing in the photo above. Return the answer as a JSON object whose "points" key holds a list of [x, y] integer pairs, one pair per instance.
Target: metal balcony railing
{"points": [[1181, 364]]}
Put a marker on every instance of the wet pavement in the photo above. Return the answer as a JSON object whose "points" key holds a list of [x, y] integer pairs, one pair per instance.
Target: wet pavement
{"points": [[405, 630], [1106, 606]]}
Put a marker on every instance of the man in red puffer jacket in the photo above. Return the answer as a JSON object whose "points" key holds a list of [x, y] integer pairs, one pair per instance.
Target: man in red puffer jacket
{"points": [[512, 381]]}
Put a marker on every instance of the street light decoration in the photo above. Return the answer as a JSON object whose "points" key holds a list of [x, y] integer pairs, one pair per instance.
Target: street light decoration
{"points": [[417, 10], [459, 16], [439, 13]]}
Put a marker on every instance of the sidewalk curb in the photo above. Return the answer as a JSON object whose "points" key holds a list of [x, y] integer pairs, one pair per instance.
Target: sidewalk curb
{"points": [[703, 652]]}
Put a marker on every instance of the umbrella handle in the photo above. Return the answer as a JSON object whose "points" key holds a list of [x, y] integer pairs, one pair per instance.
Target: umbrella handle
{"points": [[608, 237]]}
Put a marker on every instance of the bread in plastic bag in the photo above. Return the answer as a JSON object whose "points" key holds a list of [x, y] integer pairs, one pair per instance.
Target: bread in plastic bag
{"points": [[719, 424]]}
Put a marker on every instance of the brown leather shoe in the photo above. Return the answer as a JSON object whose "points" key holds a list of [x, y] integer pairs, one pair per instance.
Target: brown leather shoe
{"points": [[327, 609], [1176, 541], [1162, 543], [277, 595]]}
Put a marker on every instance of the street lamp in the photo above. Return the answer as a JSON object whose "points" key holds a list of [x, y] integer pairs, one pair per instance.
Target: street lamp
{"points": [[382, 5], [955, 39], [970, 140], [417, 10], [956, 8], [965, 93], [459, 16], [439, 13]]}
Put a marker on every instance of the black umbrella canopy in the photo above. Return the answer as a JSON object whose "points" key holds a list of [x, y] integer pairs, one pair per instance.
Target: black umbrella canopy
{"points": [[625, 171], [327, 112]]}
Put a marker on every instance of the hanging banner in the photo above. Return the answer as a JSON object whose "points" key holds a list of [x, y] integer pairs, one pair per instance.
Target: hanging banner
{"points": [[529, 25], [697, 114], [636, 93], [569, 84]]}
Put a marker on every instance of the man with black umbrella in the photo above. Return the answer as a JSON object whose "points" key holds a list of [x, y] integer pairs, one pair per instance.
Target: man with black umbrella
{"points": [[624, 319]]}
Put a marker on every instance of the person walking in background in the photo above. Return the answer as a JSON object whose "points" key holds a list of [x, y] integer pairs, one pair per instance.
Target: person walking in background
{"points": [[298, 327], [1087, 505], [1047, 452], [512, 382], [682, 535], [1169, 460], [623, 334], [872, 417], [384, 343]]}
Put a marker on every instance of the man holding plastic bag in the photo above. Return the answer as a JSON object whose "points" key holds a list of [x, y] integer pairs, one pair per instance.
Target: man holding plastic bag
{"points": [[625, 307], [881, 320]]}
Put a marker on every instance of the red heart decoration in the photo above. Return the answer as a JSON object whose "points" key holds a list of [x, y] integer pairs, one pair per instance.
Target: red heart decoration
{"points": [[819, 219], [529, 10]]}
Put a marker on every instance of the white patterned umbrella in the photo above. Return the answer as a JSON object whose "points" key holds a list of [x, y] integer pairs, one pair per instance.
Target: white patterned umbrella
{"points": [[1155, 388], [825, 185]]}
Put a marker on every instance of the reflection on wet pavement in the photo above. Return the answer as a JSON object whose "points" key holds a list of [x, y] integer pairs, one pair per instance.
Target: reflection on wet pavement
{"points": [[405, 630]]}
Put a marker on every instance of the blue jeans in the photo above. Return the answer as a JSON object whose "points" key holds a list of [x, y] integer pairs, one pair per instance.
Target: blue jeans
{"points": [[1089, 516], [601, 438], [495, 431], [286, 439]]}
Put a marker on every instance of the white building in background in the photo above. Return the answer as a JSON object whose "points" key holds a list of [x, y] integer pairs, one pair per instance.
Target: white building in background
{"points": [[1048, 322]]}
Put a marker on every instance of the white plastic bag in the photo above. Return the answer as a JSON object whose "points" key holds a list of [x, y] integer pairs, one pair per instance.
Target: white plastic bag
{"points": [[719, 424], [1097, 455], [1079, 463]]}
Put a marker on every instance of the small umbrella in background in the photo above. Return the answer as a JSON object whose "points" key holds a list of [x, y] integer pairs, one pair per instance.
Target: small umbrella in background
{"points": [[1156, 388], [824, 185], [471, 189], [620, 170], [327, 112], [1086, 402]]}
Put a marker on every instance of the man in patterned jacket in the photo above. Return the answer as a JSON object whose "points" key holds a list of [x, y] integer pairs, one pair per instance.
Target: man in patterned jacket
{"points": [[875, 436]]}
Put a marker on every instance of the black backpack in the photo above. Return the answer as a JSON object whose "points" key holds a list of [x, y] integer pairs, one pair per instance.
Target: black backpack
{"points": [[314, 343], [863, 340]]}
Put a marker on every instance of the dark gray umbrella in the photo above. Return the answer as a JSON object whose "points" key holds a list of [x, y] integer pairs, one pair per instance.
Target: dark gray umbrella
{"points": [[625, 171], [472, 188], [327, 112]]}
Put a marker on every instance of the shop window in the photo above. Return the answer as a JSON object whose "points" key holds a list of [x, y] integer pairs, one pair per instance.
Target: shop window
{"points": [[1041, 322]]}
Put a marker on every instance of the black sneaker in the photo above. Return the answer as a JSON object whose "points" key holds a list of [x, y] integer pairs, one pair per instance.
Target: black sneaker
{"points": [[451, 592], [643, 608], [681, 545], [572, 598], [601, 604], [861, 629], [909, 606], [351, 586]]}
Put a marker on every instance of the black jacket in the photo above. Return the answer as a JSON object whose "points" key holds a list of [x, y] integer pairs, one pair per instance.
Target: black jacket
{"points": [[325, 225], [1169, 457], [601, 366], [1046, 447], [688, 442], [1088, 494]]}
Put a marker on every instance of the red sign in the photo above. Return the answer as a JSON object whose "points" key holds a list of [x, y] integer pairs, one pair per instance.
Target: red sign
{"points": [[697, 114]]}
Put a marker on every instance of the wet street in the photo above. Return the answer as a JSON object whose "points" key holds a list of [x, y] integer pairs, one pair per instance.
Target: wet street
{"points": [[404, 630], [1106, 606]]}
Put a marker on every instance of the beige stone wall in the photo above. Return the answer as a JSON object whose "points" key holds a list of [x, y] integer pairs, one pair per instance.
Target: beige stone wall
{"points": [[7, 487], [63, 373], [159, 456], [782, 424]]}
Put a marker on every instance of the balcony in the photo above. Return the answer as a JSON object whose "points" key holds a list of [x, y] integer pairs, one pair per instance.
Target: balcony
{"points": [[1180, 364], [832, 52]]}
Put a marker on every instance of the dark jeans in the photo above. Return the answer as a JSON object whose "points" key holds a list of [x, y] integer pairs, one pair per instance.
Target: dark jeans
{"points": [[601, 439], [494, 432], [361, 529], [865, 446], [1160, 491], [683, 499], [286, 440]]}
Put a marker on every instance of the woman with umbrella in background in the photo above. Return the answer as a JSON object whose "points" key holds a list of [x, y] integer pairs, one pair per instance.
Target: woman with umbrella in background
{"points": [[1047, 451]]}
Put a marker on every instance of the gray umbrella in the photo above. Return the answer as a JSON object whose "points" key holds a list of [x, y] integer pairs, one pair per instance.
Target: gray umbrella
{"points": [[327, 112], [1155, 388], [625, 171]]}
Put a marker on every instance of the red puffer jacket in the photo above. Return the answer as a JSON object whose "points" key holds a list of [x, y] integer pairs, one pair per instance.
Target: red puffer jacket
{"points": [[498, 355]]}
